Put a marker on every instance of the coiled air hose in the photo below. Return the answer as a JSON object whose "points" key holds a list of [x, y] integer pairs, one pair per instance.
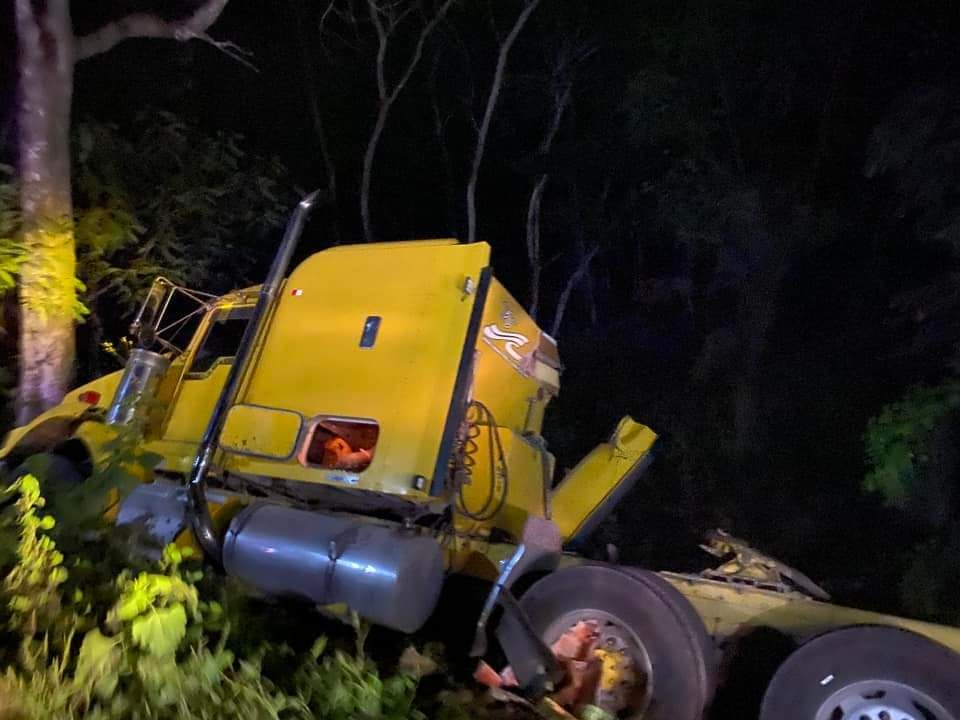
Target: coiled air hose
{"points": [[479, 416]]}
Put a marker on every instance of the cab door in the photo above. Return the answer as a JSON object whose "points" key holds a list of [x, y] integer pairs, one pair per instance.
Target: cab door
{"points": [[205, 373]]}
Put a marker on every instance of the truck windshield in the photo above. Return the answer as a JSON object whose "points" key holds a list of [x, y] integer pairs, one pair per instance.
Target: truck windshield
{"points": [[169, 316], [222, 339]]}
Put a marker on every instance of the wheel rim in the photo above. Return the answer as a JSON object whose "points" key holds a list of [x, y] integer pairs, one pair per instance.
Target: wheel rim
{"points": [[880, 700], [622, 653]]}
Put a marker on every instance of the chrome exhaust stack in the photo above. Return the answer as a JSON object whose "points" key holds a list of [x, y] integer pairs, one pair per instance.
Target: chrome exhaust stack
{"points": [[201, 521]]}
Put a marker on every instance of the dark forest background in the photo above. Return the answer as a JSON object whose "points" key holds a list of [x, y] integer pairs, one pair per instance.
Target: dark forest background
{"points": [[748, 226]]}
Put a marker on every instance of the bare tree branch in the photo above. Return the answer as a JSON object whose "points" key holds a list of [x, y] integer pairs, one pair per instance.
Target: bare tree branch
{"points": [[310, 87], [347, 17], [562, 91], [386, 95], [582, 268], [418, 50], [533, 243], [231, 50], [382, 36], [147, 25], [323, 17], [492, 99]]}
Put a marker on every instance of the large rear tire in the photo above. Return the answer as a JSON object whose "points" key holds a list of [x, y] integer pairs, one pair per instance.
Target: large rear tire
{"points": [[866, 673], [660, 630]]}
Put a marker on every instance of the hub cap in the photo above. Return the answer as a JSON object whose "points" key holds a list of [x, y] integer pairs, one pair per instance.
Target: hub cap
{"points": [[622, 674], [881, 700]]}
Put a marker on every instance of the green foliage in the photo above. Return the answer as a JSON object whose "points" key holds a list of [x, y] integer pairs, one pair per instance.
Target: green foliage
{"points": [[912, 464], [33, 585], [11, 246], [79, 507], [896, 439], [146, 645], [126, 463], [167, 198], [341, 687]]}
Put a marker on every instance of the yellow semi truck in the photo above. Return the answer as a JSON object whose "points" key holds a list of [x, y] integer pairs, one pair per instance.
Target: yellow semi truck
{"points": [[356, 431]]}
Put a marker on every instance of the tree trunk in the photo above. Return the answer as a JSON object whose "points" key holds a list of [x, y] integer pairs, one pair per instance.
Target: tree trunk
{"points": [[48, 51], [47, 285]]}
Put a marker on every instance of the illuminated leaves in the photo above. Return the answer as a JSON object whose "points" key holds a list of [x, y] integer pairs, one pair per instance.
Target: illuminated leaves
{"points": [[149, 593], [158, 652], [160, 631], [33, 585], [98, 664], [167, 198], [11, 246]]}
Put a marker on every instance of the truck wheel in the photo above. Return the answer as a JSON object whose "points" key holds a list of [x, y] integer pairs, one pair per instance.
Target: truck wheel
{"points": [[649, 629], [866, 673]]}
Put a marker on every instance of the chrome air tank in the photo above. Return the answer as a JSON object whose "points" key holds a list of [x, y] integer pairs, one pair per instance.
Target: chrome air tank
{"points": [[389, 576]]}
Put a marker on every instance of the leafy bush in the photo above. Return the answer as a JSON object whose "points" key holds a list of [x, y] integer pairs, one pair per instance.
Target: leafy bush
{"points": [[896, 440], [11, 249], [911, 449], [146, 644], [167, 198]]}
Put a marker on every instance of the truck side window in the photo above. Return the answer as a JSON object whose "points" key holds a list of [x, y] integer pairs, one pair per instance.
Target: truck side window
{"points": [[340, 444], [222, 339]]}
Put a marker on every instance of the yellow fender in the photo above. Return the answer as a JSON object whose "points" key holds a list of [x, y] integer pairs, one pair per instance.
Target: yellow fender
{"points": [[59, 423]]}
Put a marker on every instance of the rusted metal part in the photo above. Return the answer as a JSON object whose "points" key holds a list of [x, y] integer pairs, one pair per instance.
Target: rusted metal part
{"points": [[598, 671], [534, 664], [747, 565]]}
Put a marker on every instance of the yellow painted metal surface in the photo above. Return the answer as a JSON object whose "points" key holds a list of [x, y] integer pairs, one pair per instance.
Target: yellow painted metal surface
{"points": [[311, 361], [730, 611], [69, 409], [185, 400], [505, 374], [193, 404], [523, 482], [476, 556], [597, 477], [99, 438], [261, 432], [166, 391], [187, 418]]}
